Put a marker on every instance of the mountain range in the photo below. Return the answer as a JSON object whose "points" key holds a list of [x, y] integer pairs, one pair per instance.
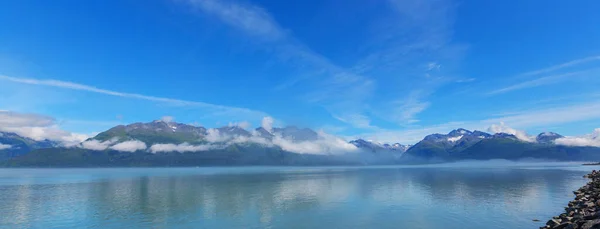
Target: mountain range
{"points": [[162, 143], [14, 145]]}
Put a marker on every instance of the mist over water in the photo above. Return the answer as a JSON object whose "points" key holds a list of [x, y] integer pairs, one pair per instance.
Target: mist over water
{"points": [[458, 195]]}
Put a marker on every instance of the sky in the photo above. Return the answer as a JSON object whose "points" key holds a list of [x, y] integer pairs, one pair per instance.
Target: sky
{"points": [[385, 70]]}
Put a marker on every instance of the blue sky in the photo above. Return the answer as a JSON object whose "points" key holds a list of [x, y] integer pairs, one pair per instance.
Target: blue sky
{"points": [[391, 71]]}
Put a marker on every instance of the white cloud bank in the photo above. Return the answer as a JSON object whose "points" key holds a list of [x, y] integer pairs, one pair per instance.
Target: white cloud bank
{"points": [[167, 119], [126, 146], [37, 127], [502, 128], [243, 124], [5, 146], [184, 147], [130, 146], [213, 135], [326, 144], [267, 123], [211, 108], [97, 145], [592, 139]]}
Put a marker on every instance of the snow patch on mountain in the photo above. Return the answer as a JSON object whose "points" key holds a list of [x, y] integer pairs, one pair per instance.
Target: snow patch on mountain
{"points": [[455, 139], [290, 138], [375, 145]]}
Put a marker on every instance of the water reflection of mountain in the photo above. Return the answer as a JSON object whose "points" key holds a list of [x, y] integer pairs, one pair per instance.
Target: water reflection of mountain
{"points": [[315, 198]]}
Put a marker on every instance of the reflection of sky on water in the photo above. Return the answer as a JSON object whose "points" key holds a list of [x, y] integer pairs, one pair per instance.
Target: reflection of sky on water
{"points": [[257, 197]]}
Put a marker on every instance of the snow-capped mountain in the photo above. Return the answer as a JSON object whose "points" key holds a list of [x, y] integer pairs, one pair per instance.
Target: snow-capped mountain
{"points": [[505, 136], [12, 145], [547, 137], [234, 131], [154, 132], [377, 146], [234, 145], [442, 146], [457, 136], [296, 134], [194, 138], [264, 133]]}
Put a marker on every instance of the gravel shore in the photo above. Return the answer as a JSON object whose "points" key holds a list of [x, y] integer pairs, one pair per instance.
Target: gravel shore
{"points": [[584, 211]]}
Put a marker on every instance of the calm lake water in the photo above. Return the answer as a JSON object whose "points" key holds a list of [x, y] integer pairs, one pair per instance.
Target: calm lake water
{"points": [[457, 196]]}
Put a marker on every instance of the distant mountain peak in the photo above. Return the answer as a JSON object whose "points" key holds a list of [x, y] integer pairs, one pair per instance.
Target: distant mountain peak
{"points": [[548, 134], [157, 131], [376, 146], [547, 137], [296, 134], [506, 136], [263, 133], [459, 132], [234, 131], [16, 145]]}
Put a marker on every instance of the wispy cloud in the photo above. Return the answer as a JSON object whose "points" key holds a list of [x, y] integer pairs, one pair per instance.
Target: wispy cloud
{"points": [[413, 43], [415, 39], [465, 80], [537, 82], [248, 18], [551, 116], [404, 111], [557, 77], [339, 90], [561, 66], [176, 102], [357, 120], [257, 22]]}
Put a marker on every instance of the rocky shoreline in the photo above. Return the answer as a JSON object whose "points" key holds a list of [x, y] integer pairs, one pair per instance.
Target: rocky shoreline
{"points": [[584, 211]]}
